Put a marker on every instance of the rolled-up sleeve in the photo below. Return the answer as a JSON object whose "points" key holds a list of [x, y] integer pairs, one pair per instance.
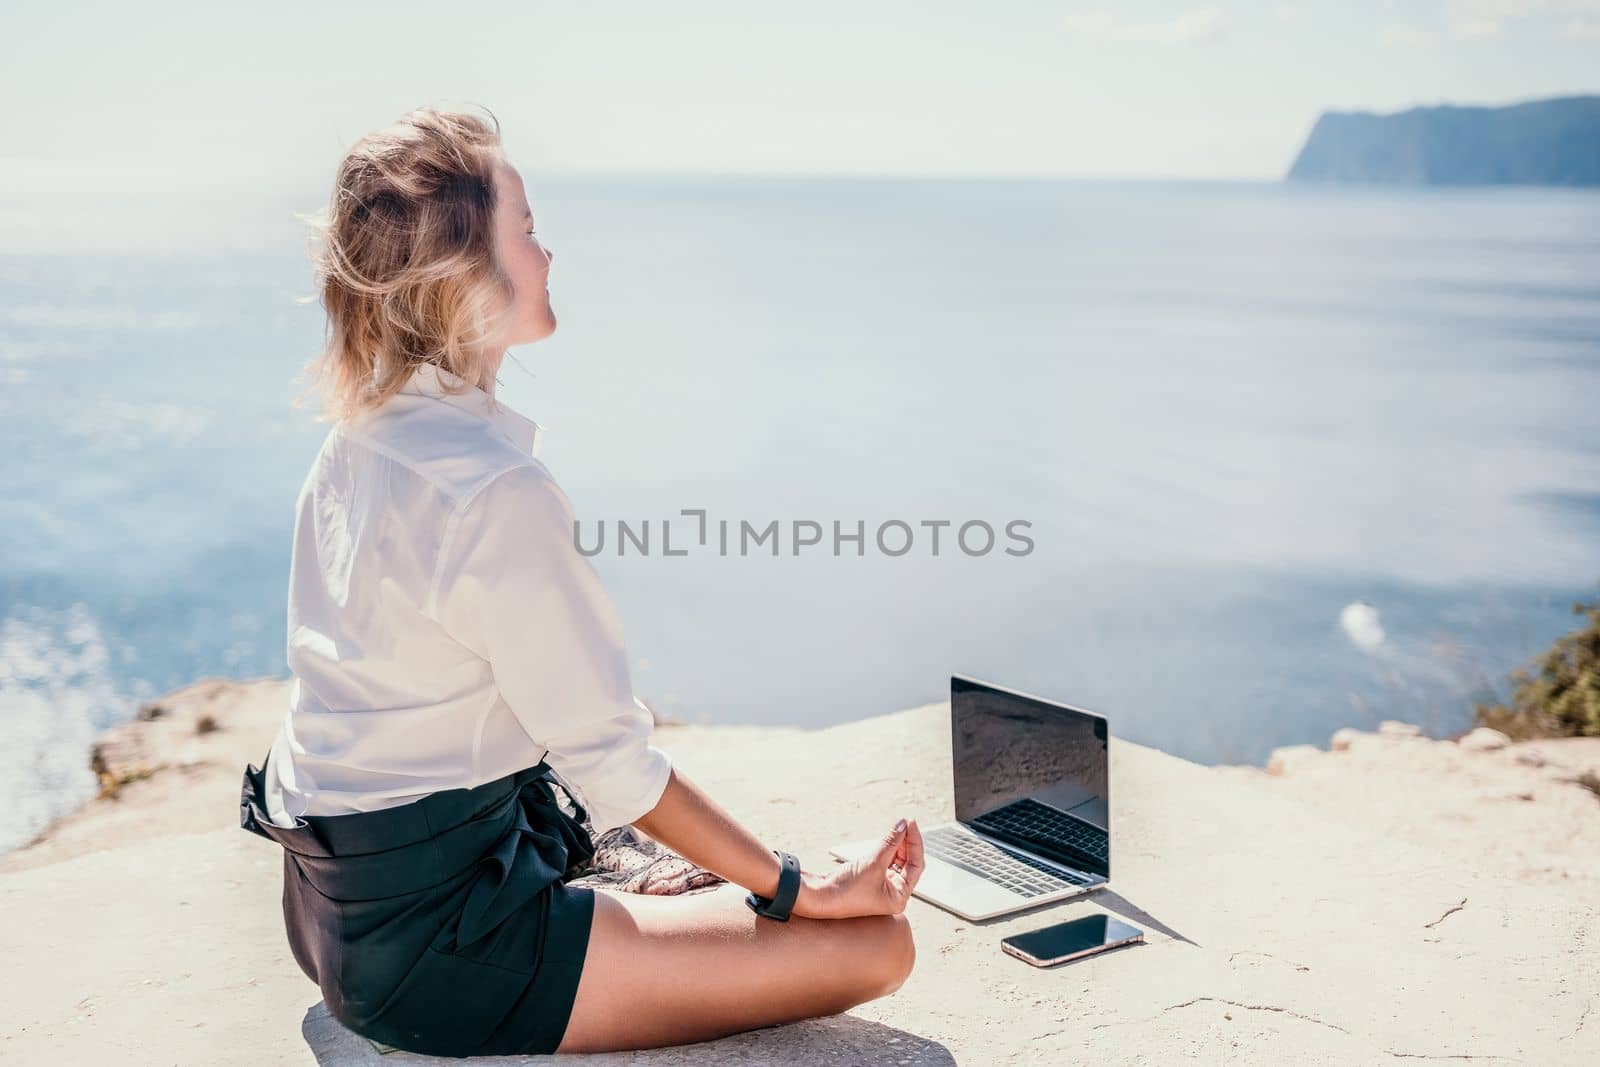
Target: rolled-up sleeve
{"points": [[512, 586]]}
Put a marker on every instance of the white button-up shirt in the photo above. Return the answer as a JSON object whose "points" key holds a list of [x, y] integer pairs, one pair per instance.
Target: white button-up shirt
{"points": [[444, 630]]}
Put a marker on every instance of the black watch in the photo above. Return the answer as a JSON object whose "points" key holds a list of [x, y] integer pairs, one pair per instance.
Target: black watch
{"points": [[778, 906]]}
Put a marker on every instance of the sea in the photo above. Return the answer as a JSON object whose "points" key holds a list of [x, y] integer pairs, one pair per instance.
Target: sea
{"points": [[1233, 463]]}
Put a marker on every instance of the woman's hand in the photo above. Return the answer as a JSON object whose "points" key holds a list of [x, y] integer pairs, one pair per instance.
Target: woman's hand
{"points": [[878, 883]]}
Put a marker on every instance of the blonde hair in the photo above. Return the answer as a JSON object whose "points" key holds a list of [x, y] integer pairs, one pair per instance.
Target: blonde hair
{"points": [[405, 260]]}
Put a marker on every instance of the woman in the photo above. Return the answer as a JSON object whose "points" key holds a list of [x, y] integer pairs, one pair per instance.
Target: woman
{"points": [[455, 658]]}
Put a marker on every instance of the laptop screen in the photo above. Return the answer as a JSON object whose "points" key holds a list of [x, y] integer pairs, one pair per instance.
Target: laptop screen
{"points": [[1032, 772]]}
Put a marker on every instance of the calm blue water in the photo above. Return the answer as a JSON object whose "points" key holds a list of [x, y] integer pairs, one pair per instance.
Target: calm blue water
{"points": [[1229, 412]]}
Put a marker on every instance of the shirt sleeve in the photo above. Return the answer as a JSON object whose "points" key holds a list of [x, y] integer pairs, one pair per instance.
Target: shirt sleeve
{"points": [[512, 586]]}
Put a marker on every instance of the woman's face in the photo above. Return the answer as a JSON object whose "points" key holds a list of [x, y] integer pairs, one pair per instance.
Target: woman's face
{"points": [[525, 260]]}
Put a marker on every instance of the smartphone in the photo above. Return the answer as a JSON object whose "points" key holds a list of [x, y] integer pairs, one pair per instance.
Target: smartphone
{"points": [[1071, 940]]}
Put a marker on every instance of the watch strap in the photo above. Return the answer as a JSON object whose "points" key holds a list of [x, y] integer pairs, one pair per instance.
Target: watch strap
{"points": [[780, 904]]}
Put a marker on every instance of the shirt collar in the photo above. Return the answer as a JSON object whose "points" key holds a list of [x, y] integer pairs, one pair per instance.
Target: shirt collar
{"points": [[429, 379]]}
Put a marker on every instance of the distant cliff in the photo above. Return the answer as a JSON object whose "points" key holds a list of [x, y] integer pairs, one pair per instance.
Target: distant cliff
{"points": [[1542, 142]]}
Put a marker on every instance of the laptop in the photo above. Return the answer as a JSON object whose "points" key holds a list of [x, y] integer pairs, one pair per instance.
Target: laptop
{"points": [[1032, 802]]}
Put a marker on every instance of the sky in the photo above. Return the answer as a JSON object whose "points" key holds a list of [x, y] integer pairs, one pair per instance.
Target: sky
{"points": [[184, 95]]}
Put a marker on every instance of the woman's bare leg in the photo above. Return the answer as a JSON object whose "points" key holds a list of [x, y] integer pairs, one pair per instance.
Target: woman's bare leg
{"points": [[669, 970]]}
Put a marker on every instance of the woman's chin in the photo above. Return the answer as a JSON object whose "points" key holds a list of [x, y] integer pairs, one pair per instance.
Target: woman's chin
{"points": [[533, 336]]}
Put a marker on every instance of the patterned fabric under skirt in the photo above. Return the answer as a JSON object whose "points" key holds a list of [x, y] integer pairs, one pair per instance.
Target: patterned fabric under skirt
{"points": [[630, 861]]}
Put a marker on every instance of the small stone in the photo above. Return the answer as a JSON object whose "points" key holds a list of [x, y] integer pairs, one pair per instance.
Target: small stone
{"points": [[1483, 739], [1391, 728], [1291, 758], [1343, 739]]}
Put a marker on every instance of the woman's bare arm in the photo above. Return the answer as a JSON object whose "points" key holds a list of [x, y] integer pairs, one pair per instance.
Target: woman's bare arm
{"points": [[696, 827], [690, 823]]}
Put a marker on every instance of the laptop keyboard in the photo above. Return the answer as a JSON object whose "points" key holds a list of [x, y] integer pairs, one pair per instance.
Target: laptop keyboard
{"points": [[1019, 873], [1029, 818]]}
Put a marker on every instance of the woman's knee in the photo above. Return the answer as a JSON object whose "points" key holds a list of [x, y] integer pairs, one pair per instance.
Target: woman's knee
{"points": [[895, 954], [906, 954]]}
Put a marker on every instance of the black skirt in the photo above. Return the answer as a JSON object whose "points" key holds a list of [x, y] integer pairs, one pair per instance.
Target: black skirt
{"points": [[443, 925]]}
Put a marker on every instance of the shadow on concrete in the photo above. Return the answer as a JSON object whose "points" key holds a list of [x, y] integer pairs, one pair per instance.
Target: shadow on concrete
{"points": [[836, 1038], [1105, 898], [1120, 905]]}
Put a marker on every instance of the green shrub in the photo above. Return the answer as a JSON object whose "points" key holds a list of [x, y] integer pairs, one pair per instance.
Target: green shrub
{"points": [[1563, 698]]}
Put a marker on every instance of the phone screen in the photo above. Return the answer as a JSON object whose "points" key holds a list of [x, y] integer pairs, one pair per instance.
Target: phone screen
{"points": [[1070, 938]]}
